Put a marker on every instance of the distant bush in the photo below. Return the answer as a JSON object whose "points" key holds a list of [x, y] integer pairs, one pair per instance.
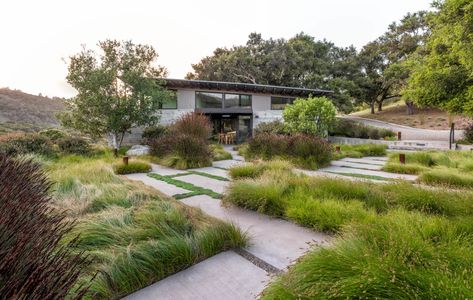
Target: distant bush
{"points": [[33, 264], [468, 133], [18, 144], [53, 134], [274, 127], [353, 129], [132, 167], [307, 151], [153, 132], [74, 145], [188, 152]]}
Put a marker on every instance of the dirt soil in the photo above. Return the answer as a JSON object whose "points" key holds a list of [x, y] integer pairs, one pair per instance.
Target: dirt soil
{"points": [[427, 118]]}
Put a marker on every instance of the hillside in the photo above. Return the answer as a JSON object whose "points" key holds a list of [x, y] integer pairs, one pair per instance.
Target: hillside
{"points": [[26, 112], [426, 118]]}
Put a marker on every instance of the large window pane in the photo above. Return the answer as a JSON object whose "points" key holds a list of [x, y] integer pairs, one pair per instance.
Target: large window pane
{"points": [[236, 100], [279, 103], [232, 100], [208, 100], [170, 103]]}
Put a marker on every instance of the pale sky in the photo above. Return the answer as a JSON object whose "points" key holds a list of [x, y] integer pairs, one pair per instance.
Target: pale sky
{"points": [[36, 35]]}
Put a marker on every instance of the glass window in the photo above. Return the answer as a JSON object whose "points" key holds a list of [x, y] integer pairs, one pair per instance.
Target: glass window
{"points": [[208, 100], [279, 103], [236, 100], [170, 103]]}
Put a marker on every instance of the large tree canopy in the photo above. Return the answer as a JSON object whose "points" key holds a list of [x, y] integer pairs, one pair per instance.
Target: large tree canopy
{"points": [[116, 90], [299, 61], [444, 76]]}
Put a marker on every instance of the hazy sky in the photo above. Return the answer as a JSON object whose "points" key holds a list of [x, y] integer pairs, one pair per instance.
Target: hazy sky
{"points": [[36, 35]]}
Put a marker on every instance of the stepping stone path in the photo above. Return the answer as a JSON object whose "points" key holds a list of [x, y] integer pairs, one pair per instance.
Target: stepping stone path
{"points": [[241, 274], [274, 243]]}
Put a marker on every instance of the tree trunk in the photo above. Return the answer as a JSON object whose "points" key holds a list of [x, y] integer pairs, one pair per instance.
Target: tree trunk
{"points": [[114, 142], [380, 106], [372, 107], [410, 107]]}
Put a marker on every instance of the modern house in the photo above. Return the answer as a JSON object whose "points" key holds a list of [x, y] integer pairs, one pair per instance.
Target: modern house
{"points": [[230, 106]]}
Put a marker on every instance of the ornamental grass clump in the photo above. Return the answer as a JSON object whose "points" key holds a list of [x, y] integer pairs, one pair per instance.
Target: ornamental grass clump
{"points": [[33, 262], [132, 167]]}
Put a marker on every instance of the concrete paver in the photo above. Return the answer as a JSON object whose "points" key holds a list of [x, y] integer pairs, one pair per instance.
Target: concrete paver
{"points": [[215, 185], [165, 171], [276, 241], [364, 161], [356, 165], [344, 170], [226, 164], [213, 171], [224, 276], [164, 187]]}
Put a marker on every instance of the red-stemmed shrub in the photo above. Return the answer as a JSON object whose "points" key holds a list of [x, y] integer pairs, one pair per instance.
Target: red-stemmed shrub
{"points": [[195, 124], [33, 263], [307, 151]]}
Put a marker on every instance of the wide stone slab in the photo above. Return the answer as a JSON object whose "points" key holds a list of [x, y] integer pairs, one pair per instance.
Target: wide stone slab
{"points": [[226, 164], [224, 276], [213, 171], [338, 176], [215, 185], [277, 242], [382, 174], [339, 163], [164, 187], [364, 161], [165, 171]]}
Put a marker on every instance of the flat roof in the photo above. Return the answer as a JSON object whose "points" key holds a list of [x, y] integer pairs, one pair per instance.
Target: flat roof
{"points": [[243, 87]]}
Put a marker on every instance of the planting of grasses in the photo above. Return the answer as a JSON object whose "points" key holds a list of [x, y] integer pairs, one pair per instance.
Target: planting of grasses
{"points": [[219, 153], [358, 151], [447, 168], [132, 167], [394, 241], [133, 235], [253, 170]]}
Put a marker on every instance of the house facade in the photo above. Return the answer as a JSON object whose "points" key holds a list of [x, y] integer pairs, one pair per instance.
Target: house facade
{"points": [[230, 106]]}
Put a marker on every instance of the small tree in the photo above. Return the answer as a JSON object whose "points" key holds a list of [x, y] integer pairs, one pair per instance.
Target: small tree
{"points": [[117, 90], [314, 115]]}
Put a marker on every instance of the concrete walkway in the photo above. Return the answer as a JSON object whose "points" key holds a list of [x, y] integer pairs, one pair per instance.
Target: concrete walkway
{"points": [[366, 168], [242, 274]]}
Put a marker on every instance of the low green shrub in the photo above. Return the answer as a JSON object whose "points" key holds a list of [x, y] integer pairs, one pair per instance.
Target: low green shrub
{"points": [[358, 151], [449, 177], [219, 153], [151, 133], [354, 129], [74, 145], [132, 167], [468, 133], [274, 127], [253, 170], [18, 144]]}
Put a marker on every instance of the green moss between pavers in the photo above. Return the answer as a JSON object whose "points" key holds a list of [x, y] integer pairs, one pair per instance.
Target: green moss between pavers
{"points": [[209, 175], [195, 190], [374, 177]]}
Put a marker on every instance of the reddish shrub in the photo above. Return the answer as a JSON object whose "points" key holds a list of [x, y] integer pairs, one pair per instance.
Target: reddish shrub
{"points": [[32, 263], [194, 124]]}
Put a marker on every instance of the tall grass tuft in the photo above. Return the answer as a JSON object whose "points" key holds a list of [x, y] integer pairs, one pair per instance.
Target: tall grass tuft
{"points": [[33, 263]]}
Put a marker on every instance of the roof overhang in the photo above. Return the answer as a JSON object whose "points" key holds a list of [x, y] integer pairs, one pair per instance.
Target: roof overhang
{"points": [[242, 87]]}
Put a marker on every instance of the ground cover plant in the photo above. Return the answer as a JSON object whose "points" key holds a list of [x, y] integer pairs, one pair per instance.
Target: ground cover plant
{"points": [[185, 144], [132, 167], [194, 190], [447, 168], [134, 235], [393, 241]]}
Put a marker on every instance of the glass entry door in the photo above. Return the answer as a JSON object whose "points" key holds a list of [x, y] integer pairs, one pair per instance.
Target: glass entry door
{"points": [[244, 128]]}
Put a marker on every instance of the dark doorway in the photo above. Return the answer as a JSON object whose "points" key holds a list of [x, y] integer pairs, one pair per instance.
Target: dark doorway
{"points": [[225, 123]]}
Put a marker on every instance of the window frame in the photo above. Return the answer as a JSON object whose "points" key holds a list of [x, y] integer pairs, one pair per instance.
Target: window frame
{"points": [[224, 106], [166, 108], [239, 100], [289, 100], [209, 92]]}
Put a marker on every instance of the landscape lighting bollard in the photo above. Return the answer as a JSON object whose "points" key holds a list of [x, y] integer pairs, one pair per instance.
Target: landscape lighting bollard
{"points": [[402, 158], [125, 160], [398, 135], [337, 148]]}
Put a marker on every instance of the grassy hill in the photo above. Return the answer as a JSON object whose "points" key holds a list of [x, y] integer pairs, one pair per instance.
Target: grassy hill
{"points": [[427, 118], [20, 111]]}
